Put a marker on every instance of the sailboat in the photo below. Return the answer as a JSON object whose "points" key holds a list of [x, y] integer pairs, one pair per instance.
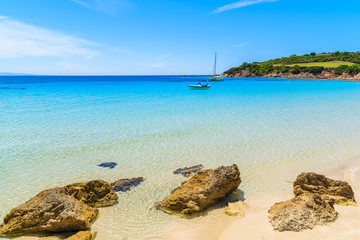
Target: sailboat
{"points": [[215, 77]]}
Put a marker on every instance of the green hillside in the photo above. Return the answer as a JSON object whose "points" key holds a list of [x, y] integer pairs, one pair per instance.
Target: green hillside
{"points": [[337, 63], [332, 64]]}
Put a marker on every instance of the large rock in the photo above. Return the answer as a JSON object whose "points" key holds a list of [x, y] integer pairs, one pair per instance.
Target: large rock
{"points": [[51, 210], [204, 189], [95, 193], [311, 182], [302, 212]]}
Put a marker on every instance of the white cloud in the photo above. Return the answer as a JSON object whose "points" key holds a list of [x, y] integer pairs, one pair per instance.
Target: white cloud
{"points": [[107, 6], [241, 45], [240, 4], [19, 39]]}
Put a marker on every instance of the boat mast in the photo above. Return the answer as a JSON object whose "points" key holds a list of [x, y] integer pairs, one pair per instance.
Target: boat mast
{"points": [[214, 72]]}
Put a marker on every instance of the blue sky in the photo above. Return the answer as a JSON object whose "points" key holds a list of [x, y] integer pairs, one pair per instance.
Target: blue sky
{"points": [[135, 37]]}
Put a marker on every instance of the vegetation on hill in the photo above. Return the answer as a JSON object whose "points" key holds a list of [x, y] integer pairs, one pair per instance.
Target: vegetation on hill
{"points": [[337, 63], [332, 64]]}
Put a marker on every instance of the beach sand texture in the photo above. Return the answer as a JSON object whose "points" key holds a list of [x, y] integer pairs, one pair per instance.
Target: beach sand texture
{"points": [[347, 226]]}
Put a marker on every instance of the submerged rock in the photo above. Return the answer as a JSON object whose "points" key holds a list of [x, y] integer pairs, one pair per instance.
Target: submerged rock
{"points": [[340, 191], [204, 189], [236, 209], [51, 210], [96, 193], [108, 164], [302, 212], [187, 171], [124, 185]]}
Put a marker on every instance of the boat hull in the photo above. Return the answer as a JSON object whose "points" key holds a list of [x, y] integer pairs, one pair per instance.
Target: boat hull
{"points": [[197, 87], [216, 78]]}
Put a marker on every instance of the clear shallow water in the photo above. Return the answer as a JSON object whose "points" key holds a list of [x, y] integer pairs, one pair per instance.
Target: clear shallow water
{"points": [[55, 130]]}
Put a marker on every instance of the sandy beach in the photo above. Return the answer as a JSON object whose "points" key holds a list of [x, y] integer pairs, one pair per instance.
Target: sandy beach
{"points": [[256, 225], [215, 225]]}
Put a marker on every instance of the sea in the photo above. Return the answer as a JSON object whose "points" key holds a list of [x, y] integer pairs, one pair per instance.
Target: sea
{"points": [[55, 130]]}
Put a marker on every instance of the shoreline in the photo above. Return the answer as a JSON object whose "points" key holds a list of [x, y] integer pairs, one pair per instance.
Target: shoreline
{"points": [[255, 225], [215, 224], [323, 76], [270, 134]]}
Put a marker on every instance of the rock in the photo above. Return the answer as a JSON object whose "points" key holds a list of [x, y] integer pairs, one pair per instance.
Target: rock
{"points": [[236, 209], [50, 238], [325, 74], [124, 185], [51, 210], [96, 193], [108, 164], [187, 171], [340, 191], [83, 235], [302, 212], [204, 189]]}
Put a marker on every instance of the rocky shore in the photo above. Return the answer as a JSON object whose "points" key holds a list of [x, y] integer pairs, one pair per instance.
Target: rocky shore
{"points": [[61, 209], [71, 210], [313, 204], [325, 75]]}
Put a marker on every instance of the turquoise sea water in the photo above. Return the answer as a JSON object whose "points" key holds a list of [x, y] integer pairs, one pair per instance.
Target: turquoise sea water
{"points": [[55, 130]]}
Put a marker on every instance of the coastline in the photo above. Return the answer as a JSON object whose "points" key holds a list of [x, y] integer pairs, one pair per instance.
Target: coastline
{"points": [[215, 224], [256, 224], [259, 125], [325, 75]]}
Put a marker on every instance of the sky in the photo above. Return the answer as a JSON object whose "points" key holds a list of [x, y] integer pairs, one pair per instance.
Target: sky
{"points": [[164, 37]]}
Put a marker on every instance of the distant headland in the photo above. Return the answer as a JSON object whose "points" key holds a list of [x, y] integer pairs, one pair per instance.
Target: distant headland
{"points": [[332, 66]]}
